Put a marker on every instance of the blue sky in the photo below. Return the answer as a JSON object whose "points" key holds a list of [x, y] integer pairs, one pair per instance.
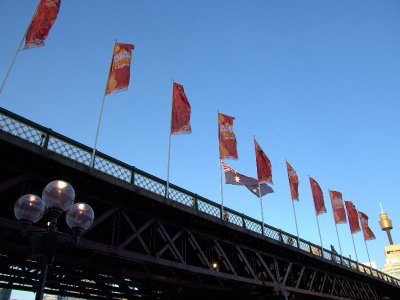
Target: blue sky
{"points": [[317, 82]]}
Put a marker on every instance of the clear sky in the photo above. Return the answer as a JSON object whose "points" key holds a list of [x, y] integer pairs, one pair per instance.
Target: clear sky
{"points": [[317, 82]]}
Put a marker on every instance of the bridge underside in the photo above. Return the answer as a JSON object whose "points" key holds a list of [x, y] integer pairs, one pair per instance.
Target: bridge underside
{"points": [[144, 246]]}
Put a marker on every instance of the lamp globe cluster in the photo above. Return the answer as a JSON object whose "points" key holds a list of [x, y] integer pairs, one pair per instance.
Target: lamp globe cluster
{"points": [[58, 196], [29, 208]]}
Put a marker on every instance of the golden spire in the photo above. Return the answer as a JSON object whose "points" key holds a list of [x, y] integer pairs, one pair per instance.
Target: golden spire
{"points": [[386, 224]]}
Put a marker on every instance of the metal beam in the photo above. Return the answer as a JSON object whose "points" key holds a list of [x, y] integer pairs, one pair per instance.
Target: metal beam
{"points": [[164, 234], [102, 218], [244, 259], [199, 252], [267, 269], [136, 233]]}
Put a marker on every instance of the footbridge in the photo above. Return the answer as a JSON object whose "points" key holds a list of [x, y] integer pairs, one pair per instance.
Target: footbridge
{"points": [[144, 245]]}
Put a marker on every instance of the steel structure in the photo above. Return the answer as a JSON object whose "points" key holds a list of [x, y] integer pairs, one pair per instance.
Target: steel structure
{"points": [[143, 245]]}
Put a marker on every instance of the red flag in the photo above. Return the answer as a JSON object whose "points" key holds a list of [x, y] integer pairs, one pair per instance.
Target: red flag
{"points": [[352, 215], [367, 232], [227, 139], [118, 78], [264, 167], [338, 207], [44, 18], [318, 197], [293, 182], [180, 119]]}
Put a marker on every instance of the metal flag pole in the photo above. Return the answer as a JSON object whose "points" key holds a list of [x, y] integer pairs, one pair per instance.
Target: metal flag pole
{"points": [[337, 234], [319, 230], [297, 228], [221, 189], [101, 112], [220, 177], [259, 195], [16, 51], [169, 146], [355, 251], [294, 213], [262, 210], [320, 237], [370, 264], [340, 246], [169, 158]]}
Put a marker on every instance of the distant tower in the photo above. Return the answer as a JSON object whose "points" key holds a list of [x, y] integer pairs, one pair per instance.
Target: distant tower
{"points": [[386, 224], [392, 252]]}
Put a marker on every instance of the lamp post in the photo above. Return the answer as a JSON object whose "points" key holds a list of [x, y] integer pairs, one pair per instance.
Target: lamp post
{"points": [[58, 196]]}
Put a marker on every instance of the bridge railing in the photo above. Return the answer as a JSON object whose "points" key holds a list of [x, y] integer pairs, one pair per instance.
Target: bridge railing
{"points": [[48, 139]]}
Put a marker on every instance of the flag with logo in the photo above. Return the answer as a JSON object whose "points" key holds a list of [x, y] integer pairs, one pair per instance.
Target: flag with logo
{"points": [[43, 20], [118, 78], [264, 167], [227, 138], [367, 232], [180, 119], [338, 207], [352, 215], [235, 178], [293, 182], [318, 197]]}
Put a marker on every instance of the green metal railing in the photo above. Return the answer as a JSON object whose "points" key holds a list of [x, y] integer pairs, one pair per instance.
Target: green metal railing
{"points": [[50, 140]]}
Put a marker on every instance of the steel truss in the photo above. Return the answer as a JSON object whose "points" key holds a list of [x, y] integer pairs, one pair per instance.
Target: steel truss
{"points": [[142, 245], [139, 249]]}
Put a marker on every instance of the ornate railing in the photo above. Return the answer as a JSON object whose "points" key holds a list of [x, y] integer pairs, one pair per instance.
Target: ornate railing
{"points": [[48, 139]]}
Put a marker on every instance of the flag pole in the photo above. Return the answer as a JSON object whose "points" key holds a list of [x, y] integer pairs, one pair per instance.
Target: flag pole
{"points": [[101, 112], [337, 233], [262, 210], [97, 131], [370, 264], [169, 145], [294, 213], [169, 157], [3, 83], [260, 197], [319, 230], [320, 237], [340, 247], [355, 251], [297, 228], [220, 177], [259, 193], [221, 189]]}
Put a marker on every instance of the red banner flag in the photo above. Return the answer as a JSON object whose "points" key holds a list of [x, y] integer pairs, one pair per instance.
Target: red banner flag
{"points": [[338, 207], [293, 182], [367, 232], [264, 167], [352, 215], [118, 78], [180, 119], [227, 138], [44, 18], [318, 197]]}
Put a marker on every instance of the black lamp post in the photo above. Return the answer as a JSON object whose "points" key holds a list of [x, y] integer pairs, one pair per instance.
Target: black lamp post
{"points": [[58, 196]]}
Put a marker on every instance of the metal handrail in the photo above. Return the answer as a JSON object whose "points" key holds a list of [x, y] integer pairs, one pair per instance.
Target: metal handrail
{"points": [[56, 142]]}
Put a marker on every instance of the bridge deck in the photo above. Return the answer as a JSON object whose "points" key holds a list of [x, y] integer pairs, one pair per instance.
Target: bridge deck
{"points": [[144, 245]]}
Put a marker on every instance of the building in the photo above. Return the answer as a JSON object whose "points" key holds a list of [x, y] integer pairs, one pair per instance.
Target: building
{"points": [[392, 265]]}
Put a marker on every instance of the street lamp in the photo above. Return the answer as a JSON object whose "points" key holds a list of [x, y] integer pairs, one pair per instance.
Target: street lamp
{"points": [[58, 196]]}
